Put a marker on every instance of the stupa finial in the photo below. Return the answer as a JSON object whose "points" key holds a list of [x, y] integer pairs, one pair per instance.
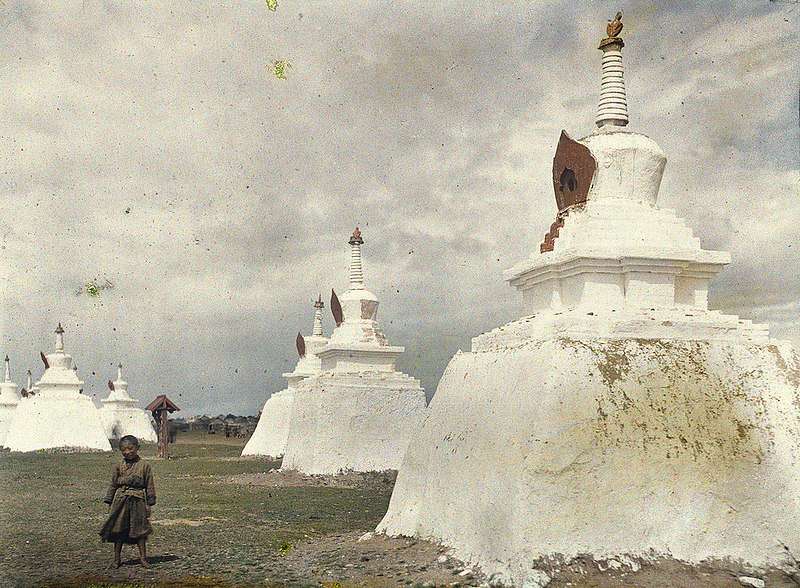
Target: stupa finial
{"points": [[59, 339], [8, 371], [318, 305], [28, 387], [356, 275], [614, 27], [356, 237], [119, 372], [613, 107]]}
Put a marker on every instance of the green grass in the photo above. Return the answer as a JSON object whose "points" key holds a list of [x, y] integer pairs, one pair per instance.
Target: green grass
{"points": [[51, 508]]}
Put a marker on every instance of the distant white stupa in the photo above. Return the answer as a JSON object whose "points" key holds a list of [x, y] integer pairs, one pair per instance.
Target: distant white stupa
{"points": [[121, 415], [619, 415], [269, 438], [58, 416], [358, 413], [8, 403], [30, 389]]}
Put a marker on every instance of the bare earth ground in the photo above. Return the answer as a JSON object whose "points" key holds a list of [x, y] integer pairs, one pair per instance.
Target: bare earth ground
{"points": [[225, 521]]}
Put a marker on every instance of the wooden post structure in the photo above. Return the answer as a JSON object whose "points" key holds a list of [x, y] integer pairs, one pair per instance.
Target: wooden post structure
{"points": [[161, 407]]}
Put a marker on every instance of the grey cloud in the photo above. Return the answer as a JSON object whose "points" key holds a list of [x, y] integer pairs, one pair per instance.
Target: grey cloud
{"points": [[160, 152]]}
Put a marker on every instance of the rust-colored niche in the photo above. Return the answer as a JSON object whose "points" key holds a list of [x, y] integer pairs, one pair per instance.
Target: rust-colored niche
{"points": [[573, 170]]}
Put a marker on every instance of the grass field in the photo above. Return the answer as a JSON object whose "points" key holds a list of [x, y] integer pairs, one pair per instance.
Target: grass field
{"points": [[208, 531], [222, 521]]}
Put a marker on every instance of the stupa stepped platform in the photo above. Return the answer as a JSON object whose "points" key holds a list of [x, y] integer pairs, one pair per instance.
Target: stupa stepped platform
{"points": [[676, 325], [614, 229], [368, 378], [365, 332]]}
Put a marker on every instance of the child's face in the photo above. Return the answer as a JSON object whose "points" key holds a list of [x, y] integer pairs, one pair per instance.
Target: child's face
{"points": [[129, 450]]}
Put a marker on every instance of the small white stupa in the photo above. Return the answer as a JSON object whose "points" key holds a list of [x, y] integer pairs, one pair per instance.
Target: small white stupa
{"points": [[30, 389], [358, 413], [58, 415], [620, 415], [121, 415], [8, 403], [269, 438]]}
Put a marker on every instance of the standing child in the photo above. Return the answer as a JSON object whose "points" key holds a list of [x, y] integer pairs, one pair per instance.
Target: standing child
{"points": [[130, 496]]}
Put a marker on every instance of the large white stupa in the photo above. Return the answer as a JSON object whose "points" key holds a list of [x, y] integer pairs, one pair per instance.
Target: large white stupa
{"points": [[58, 415], [359, 412], [121, 414], [619, 415], [8, 402], [272, 432]]}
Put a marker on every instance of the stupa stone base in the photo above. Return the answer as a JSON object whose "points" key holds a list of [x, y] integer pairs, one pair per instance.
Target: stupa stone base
{"points": [[272, 431], [127, 420], [353, 421], [63, 421], [566, 434]]}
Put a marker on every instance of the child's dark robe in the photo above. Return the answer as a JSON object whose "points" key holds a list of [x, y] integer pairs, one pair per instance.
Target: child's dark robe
{"points": [[130, 495]]}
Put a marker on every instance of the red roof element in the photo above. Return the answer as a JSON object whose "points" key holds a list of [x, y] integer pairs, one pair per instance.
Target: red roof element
{"points": [[162, 403]]}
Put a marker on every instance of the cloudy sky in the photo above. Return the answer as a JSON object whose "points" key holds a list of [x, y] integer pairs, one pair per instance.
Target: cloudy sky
{"points": [[149, 149]]}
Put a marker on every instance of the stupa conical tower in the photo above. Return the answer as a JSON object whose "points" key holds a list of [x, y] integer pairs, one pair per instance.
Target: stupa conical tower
{"points": [[58, 415], [272, 431], [121, 414], [8, 402], [359, 412], [619, 415]]}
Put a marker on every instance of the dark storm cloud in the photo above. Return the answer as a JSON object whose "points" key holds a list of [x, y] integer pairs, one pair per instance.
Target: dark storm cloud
{"points": [[151, 145]]}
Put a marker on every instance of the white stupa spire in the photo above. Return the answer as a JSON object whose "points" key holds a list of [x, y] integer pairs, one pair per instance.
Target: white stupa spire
{"points": [[319, 305], [59, 339], [613, 107], [8, 371], [356, 275], [119, 389], [28, 385]]}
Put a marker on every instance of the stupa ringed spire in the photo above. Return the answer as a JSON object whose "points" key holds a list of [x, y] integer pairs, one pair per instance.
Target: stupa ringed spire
{"points": [[613, 107], [356, 275], [318, 305], [59, 339]]}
